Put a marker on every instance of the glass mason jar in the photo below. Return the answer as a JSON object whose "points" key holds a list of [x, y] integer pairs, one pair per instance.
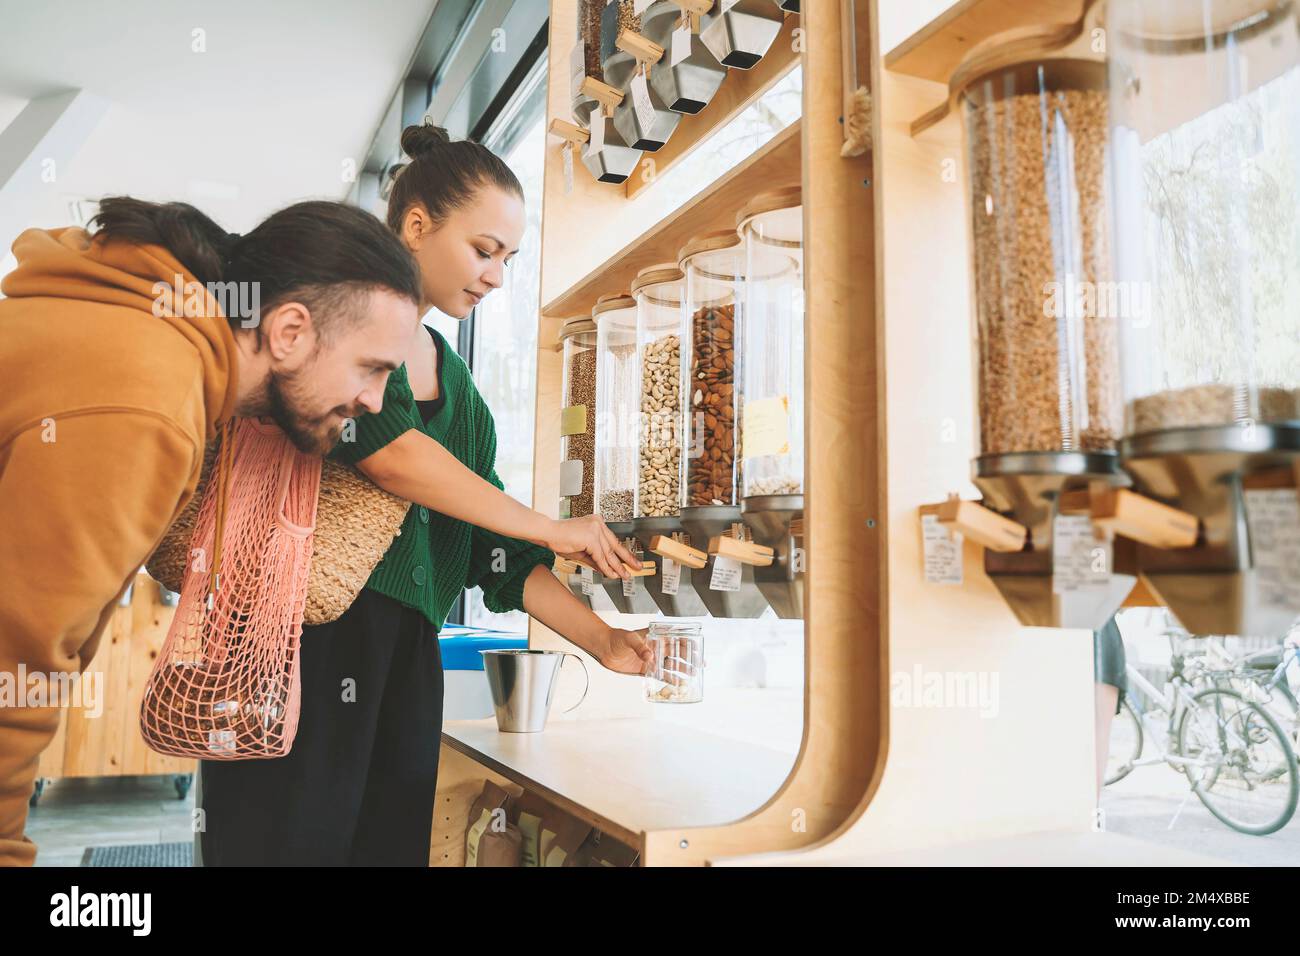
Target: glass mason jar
{"points": [[617, 406], [660, 324], [1036, 166], [771, 228], [713, 265], [677, 675], [1205, 141], [578, 418]]}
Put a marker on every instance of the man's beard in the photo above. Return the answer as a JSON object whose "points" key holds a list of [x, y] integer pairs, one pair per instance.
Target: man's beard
{"points": [[285, 403]]}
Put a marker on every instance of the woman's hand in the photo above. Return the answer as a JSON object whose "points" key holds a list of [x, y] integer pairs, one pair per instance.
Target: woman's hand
{"points": [[626, 652], [588, 541]]}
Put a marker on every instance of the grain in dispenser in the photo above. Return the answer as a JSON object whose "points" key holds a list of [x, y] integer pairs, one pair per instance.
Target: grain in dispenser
{"points": [[1205, 144], [772, 409], [618, 404], [709, 494], [1034, 105], [661, 324]]}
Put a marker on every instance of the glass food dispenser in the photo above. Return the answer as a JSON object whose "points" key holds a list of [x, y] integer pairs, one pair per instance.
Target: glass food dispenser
{"points": [[617, 435], [659, 292], [607, 156], [709, 493], [772, 411], [1048, 359], [1205, 143]]}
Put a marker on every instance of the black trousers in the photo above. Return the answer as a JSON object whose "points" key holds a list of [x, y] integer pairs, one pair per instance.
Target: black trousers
{"points": [[357, 788]]}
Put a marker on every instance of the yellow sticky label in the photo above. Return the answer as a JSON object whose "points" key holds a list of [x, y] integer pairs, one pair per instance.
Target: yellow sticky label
{"points": [[766, 429], [556, 856], [529, 825], [475, 834], [573, 421]]}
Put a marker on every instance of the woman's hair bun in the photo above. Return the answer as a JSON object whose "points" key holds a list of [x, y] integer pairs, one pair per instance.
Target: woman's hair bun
{"points": [[425, 138]]}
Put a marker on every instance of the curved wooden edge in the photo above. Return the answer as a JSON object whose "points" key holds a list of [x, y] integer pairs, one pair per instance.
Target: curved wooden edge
{"points": [[841, 759]]}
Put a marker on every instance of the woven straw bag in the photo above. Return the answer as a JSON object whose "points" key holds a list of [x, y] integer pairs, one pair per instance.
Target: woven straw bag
{"points": [[226, 684], [356, 522]]}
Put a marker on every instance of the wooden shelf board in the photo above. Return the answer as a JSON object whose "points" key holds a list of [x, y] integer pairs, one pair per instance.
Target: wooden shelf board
{"points": [[737, 92], [933, 52], [776, 164], [629, 776]]}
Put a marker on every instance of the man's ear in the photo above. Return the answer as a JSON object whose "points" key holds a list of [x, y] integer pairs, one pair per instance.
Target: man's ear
{"points": [[289, 332]]}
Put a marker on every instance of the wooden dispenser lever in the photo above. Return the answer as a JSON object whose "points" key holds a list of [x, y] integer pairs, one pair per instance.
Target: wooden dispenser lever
{"points": [[566, 130], [683, 554], [746, 552], [645, 51], [983, 525], [608, 96], [565, 566], [1143, 519]]}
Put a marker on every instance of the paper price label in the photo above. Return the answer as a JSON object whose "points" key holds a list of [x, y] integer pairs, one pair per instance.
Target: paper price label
{"points": [[766, 428], [645, 110], [943, 553], [597, 141], [588, 581], [681, 46], [1080, 561], [726, 574], [629, 587], [671, 575], [571, 477], [1273, 520], [567, 152], [573, 420]]}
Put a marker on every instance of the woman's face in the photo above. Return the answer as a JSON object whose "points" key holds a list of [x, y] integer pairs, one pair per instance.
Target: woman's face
{"points": [[464, 258]]}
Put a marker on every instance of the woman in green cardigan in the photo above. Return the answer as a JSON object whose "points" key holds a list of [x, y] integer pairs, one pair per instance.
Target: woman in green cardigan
{"points": [[358, 786]]}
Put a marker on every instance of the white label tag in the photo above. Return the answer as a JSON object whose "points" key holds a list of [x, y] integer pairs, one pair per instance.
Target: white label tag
{"points": [[1273, 519], [571, 477], [577, 69], [645, 110], [672, 576], [588, 581], [726, 574], [681, 47], [597, 141], [1080, 561], [568, 168], [566, 509], [943, 554], [629, 587]]}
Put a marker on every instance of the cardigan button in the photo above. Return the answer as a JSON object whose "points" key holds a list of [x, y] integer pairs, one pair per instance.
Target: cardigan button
{"points": [[418, 574], [424, 514]]}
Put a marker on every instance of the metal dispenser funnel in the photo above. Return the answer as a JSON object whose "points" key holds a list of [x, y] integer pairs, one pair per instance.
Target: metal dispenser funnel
{"points": [[1227, 583], [739, 35], [1028, 487], [639, 601], [705, 523], [776, 522], [686, 601]]}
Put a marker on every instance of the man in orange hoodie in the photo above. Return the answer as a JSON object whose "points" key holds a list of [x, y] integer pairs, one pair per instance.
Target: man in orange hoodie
{"points": [[117, 364]]}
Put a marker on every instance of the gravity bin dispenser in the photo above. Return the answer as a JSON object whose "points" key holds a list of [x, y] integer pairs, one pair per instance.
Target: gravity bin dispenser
{"points": [[772, 421], [676, 584], [711, 357], [1205, 139], [1048, 367]]}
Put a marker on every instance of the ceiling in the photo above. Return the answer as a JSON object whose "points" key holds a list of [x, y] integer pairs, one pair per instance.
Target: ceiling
{"points": [[283, 96]]}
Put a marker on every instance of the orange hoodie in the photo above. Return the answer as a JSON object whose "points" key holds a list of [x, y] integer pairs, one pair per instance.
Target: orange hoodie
{"points": [[105, 408]]}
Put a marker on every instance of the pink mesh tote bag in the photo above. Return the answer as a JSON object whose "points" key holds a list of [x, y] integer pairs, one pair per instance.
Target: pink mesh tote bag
{"points": [[226, 684]]}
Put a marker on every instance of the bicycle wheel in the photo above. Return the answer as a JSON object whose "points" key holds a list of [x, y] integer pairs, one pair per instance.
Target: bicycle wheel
{"points": [[1249, 780], [1125, 744]]}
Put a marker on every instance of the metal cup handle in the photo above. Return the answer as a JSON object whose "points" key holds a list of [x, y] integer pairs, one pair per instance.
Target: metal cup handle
{"points": [[586, 680]]}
